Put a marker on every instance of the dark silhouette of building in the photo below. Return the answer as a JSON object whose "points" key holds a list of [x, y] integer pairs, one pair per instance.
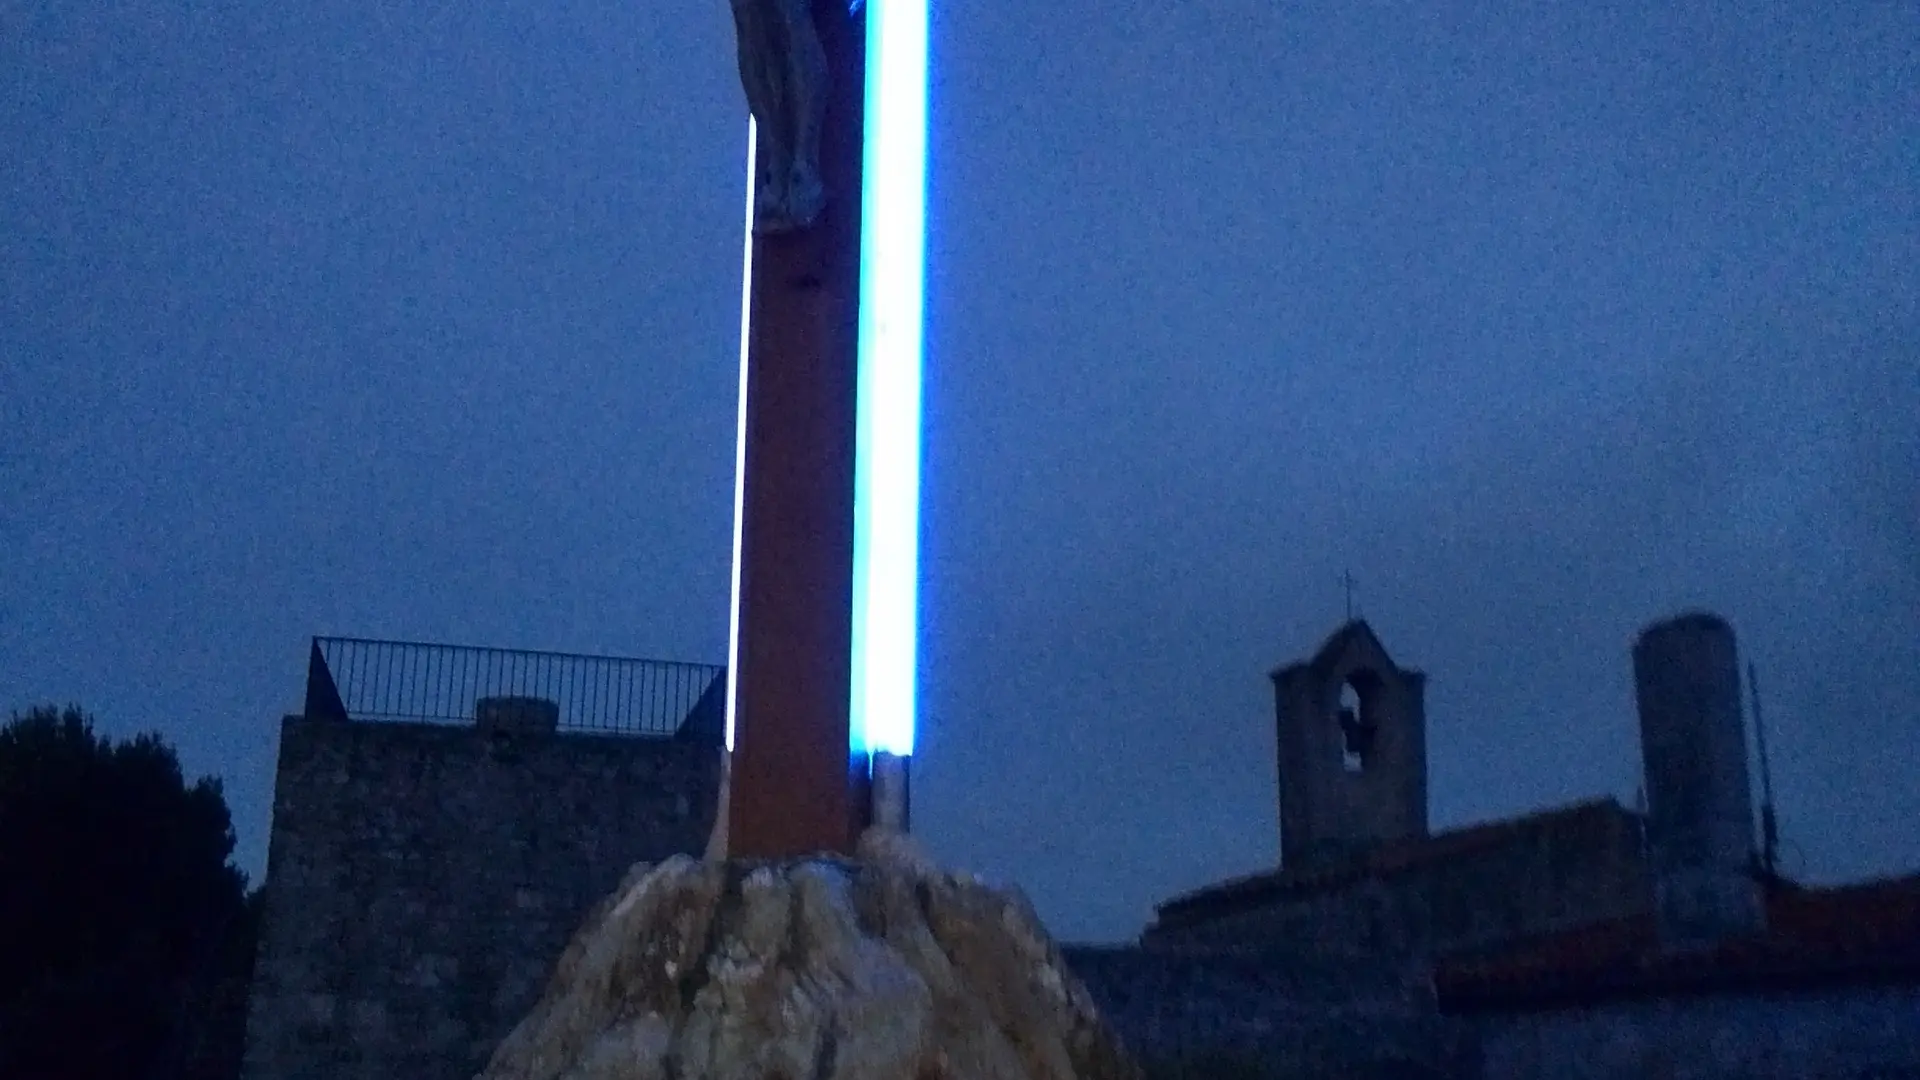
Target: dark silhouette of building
{"points": [[1587, 941], [443, 819]]}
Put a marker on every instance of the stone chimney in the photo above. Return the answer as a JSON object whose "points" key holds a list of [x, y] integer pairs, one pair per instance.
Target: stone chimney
{"points": [[1686, 673]]}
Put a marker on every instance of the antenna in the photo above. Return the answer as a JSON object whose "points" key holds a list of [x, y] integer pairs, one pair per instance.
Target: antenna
{"points": [[1769, 827]]}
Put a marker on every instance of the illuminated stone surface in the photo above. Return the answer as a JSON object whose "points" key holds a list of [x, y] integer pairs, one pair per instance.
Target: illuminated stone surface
{"points": [[880, 966]]}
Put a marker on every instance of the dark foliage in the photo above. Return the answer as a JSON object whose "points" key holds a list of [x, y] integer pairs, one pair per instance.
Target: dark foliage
{"points": [[125, 933]]}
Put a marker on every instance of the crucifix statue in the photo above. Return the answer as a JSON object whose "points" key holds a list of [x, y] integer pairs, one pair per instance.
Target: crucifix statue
{"points": [[783, 69], [821, 691]]}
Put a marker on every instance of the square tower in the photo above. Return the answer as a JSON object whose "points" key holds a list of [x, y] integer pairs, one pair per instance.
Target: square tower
{"points": [[1352, 747]]}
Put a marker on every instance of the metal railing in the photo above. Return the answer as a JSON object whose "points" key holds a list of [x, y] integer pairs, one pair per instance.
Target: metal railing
{"points": [[360, 679]]}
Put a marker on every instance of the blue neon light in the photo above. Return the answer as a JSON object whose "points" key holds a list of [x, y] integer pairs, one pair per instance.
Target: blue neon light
{"points": [[740, 438], [886, 499]]}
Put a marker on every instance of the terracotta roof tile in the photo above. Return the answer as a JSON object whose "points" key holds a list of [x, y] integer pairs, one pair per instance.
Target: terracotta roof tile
{"points": [[1855, 933]]}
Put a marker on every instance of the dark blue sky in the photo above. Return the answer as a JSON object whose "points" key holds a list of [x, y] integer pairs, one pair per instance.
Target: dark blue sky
{"points": [[418, 319]]}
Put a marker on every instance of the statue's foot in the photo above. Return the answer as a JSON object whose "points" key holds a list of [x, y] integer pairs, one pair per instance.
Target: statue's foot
{"points": [[806, 198]]}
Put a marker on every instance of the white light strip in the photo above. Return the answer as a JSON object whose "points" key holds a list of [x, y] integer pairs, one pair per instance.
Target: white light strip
{"points": [[887, 451], [740, 439]]}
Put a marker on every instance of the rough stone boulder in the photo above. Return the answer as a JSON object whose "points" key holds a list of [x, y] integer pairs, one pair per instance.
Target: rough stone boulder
{"points": [[880, 967]]}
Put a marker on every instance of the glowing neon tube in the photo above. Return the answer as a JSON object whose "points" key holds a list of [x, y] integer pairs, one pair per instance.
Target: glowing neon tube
{"points": [[886, 498], [740, 438]]}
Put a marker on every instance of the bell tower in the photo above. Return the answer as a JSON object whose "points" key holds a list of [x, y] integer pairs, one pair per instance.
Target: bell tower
{"points": [[1351, 737]]}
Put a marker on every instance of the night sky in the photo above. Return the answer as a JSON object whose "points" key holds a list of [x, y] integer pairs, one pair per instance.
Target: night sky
{"points": [[418, 319]]}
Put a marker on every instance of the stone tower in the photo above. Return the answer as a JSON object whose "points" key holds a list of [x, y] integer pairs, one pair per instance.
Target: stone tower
{"points": [[1352, 746], [1686, 674]]}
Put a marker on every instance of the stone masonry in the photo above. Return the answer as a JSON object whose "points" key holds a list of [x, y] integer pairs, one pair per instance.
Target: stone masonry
{"points": [[422, 880]]}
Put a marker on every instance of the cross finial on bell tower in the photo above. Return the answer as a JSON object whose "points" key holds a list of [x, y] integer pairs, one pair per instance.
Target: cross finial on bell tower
{"points": [[1346, 580]]}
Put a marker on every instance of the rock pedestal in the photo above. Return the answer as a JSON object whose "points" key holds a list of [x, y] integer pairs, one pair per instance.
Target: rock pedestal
{"points": [[881, 967]]}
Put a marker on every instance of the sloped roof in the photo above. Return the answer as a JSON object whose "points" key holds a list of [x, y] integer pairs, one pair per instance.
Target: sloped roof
{"points": [[1356, 631], [1255, 890], [1854, 934], [1353, 632]]}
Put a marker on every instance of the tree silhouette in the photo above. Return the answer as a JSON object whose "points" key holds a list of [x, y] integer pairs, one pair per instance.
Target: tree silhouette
{"points": [[123, 927]]}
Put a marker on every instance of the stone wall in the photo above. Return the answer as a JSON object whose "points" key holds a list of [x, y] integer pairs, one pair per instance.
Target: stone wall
{"points": [[1868, 1033], [1533, 877], [422, 880], [1295, 1015]]}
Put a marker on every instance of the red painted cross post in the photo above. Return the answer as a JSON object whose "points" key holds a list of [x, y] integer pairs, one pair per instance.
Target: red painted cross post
{"points": [[795, 786]]}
